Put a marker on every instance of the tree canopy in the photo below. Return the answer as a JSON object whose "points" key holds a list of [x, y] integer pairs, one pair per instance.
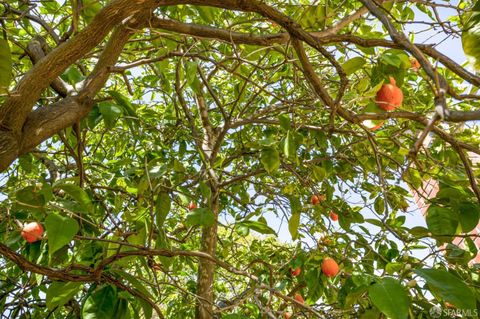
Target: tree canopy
{"points": [[238, 159]]}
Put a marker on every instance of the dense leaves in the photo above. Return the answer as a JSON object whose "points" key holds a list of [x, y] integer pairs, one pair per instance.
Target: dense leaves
{"points": [[180, 152]]}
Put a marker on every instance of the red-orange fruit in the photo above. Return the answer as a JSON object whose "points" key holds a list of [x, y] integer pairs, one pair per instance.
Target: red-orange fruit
{"points": [[32, 232], [295, 272], [287, 315], [389, 97], [316, 199], [415, 64], [330, 267], [299, 298], [333, 216], [192, 205]]}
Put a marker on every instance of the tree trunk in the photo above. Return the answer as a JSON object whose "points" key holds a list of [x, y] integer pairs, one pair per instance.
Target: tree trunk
{"points": [[206, 269]]}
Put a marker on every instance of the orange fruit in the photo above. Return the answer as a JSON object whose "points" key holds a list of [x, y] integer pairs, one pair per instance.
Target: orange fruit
{"points": [[32, 232], [415, 64], [389, 97], [333, 216], [330, 267], [299, 298], [316, 199], [295, 272]]}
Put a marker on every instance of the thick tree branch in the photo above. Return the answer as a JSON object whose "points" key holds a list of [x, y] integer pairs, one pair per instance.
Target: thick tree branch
{"points": [[15, 109], [37, 49], [46, 121]]}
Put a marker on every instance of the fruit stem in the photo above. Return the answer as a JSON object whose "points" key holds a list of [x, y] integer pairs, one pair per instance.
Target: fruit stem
{"points": [[19, 223]]}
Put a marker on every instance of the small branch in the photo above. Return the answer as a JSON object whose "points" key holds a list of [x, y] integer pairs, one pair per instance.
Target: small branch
{"points": [[468, 169]]}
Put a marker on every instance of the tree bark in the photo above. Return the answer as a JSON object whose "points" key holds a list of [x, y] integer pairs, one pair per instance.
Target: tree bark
{"points": [[206, 268]]}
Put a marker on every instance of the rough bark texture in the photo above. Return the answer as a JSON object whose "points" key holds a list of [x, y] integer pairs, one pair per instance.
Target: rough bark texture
{"points": [[206, 269]]}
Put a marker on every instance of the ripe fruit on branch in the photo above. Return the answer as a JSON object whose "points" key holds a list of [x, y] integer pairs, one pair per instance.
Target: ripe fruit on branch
{"points": [[415, 64], [316, 199], [32, 232], [192, 206], [330, 267], [295, 272], [333, 216], [389, 97], [299, 298], [287, 315]]}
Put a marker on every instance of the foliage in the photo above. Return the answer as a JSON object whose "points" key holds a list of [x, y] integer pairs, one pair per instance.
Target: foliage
{"points": [[230, 118]]}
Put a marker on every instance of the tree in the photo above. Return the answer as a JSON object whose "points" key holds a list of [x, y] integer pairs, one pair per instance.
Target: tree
{"points": [[115, 115]]}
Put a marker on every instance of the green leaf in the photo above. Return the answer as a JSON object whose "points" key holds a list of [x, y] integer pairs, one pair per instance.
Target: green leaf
{"points": [[456, 255], [391, 59], [284, 120], [257, 226], [121, 311], [101, 304], [270, 160], [371, 314], [293, 224], [392, 268], [206, 13], [315, 283], [419, 231], [162, 208], [353, 65], [319, 173], [289, 147], [441, 221], [379, 205], [205, 190], [59, 293], [60, 230], [389, 296], [30, 198], [468, 216], [147, 309], [191, 72], [77, 193], [124, 102], [451, 288], [72, 75], [200, 217], [5, 65], [471, 39], [134, 282], [89, 9], [111, 113]]}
